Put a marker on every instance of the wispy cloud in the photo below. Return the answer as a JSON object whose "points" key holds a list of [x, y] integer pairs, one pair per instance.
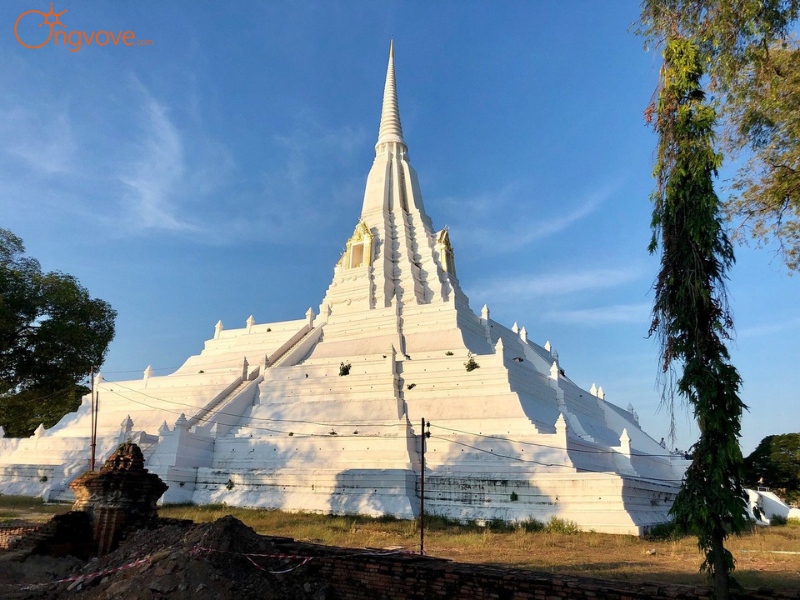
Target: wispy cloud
{"points": [[312, 156], [157, 169], [768, 328], [40, 136], [604, 315], [526, 287], [523, 231]]}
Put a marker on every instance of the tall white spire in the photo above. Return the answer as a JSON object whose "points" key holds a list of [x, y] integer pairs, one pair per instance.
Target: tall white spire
{"points": [[394, 257], [390, 130]]}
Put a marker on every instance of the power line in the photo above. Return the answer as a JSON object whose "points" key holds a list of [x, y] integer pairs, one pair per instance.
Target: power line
{"points": [[586, 451], [364, 423], [549, 465]]}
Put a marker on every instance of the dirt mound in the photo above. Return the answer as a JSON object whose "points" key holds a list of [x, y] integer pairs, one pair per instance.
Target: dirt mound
{"points": [[175, 559]]}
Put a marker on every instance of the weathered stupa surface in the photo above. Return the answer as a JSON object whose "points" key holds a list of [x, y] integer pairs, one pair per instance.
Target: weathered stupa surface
{"points": [[121, 495], [123, 483], [266, 416]]}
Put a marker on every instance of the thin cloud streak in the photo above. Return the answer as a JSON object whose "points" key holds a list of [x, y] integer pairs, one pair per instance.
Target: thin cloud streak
{"points": [[604, 315], [157, 171], [533, 229], [42, 138], [767, 329], [529, 287]]}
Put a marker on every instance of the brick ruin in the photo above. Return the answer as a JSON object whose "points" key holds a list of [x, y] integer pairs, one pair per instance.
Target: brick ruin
{"points": [[121, 495]]}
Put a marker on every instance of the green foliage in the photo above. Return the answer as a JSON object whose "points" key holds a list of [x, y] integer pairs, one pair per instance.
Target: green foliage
{"points": [[500, 526], [730, 34], [666, 531], [755, 71], [442, 523], [766, 117], [471, 365], [778, 520], [690, 313], [776, 463], [563, 526], [386, 518], [51, 334], [344, 369], [532, 525]]}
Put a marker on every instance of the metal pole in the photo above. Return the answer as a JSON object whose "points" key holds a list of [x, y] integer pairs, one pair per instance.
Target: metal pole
{"points": [[96, 414], [92, 441], [422, 492]]}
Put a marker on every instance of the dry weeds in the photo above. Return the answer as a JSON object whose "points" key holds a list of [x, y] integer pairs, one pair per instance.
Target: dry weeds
{"points": [[766, 557]]}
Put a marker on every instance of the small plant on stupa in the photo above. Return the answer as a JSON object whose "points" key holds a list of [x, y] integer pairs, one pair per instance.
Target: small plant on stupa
{"points": [[230, 484], [344, 369], [448, 353], [471, 365]]}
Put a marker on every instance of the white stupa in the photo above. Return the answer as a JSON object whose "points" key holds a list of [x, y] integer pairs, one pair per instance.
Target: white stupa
{"points": [[324, 413]]}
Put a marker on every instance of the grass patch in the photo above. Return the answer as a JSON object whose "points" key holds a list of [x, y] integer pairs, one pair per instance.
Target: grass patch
{"points": [[531, 526], [563, 526], [554, 547], [778, 520], [25, 508], [666, 532], [20, 501]]}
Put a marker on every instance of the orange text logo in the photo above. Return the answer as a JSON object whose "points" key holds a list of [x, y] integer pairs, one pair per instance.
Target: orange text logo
{"points": [[74, 39]]}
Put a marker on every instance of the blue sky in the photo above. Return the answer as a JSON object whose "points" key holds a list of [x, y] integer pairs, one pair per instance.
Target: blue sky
{"points": [[217, 172]]}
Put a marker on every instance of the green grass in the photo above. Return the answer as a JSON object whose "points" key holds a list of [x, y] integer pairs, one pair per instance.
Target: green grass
{"points": [[24, 508], [666, 556]]}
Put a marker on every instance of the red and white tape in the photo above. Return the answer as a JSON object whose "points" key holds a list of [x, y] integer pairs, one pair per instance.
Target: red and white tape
{"points": [[198, 550], [90, 576]]}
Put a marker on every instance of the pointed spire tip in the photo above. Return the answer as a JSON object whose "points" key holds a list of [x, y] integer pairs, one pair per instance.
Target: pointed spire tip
{"points": [[390, 130]]}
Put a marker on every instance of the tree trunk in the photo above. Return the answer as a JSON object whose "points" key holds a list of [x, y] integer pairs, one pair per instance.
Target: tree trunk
{"points": [[721, 575]]}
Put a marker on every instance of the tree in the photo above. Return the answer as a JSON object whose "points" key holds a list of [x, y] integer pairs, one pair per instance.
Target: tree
{"points": [[51, 334], [776, 463], [753, 69], [690, 313], [766, 116]]}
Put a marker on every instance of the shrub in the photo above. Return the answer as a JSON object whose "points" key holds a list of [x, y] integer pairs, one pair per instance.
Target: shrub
{"points": [[514, 496], [471, 365], [344, 369], [531, 525], [558, 525], [386, 518], [499, 526], [665, 531], [441, 523], [778, 520]]}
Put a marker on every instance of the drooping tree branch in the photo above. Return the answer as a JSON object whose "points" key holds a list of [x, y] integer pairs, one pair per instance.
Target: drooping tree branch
{"points": [[690, 314]]}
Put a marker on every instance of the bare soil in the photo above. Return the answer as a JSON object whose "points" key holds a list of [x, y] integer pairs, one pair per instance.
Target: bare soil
{"points": [[765, 558], [164, 562]]}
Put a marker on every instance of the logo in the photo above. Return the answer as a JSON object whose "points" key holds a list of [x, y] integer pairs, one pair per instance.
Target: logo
{"points": [[75, 39]]}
